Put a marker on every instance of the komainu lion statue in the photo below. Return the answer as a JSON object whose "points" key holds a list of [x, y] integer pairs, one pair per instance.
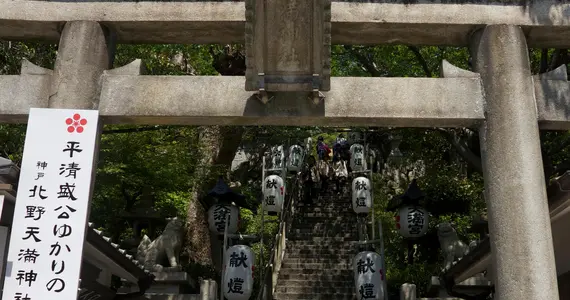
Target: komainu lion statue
{"points": [[162, 254], [453, 248]]}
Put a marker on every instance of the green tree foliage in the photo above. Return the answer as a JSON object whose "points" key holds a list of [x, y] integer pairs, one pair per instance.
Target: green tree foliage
{"points": [[163, 165]]}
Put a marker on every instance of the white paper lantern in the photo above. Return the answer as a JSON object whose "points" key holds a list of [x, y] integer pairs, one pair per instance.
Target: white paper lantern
{"points": [[357, 158], [217, 218], [238, 272], [412, 221], [361, 196], [296, 155], [273, 193], [368, 275], [278, 157]]}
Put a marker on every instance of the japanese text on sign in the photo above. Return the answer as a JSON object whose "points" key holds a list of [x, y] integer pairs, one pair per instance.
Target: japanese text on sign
{"points": [[51, 212]]}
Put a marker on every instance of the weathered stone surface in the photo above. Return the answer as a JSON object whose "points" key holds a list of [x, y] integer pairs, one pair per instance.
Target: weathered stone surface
{"points": [[552, 93], [289, 40], [353, 101], [82, 57], [520, 229], [162, 254], [307, 273], [545, 22]]}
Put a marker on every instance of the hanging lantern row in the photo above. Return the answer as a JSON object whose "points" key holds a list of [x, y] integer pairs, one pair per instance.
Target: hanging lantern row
{"points": [[412, 221], [361, 195], [238, 272], [294, 159], [368, 275], [273, 193], [217, 215]]}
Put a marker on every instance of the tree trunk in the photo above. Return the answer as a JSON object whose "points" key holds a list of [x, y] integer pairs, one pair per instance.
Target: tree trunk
{"points": [[217, 148]]}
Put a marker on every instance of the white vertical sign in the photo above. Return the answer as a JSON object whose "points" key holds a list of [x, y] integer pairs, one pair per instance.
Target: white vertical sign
{"points": [[52, 205]]}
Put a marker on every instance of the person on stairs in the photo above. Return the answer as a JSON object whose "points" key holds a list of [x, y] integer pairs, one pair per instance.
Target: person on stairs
{"points": [[340, 161], [323, 150], [311, 179], [340, 173], [323, 165]]}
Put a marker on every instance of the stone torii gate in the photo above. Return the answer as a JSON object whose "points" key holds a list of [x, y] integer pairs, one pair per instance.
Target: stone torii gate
{"points": [[288, 76]]}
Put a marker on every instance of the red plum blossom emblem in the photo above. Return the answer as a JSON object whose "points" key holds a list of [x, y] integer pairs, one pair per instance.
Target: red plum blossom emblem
{"points": [[76, 124]]}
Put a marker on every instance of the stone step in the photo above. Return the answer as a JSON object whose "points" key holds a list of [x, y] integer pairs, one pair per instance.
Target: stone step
{"points": [[314, 272], [318, 283], [320, 228], [319, 236], [322, 218], [345, 277], [332, 213], [318, 260], [326, 242], [345, 289], [316, 266], [310, 296], [323, 209], [313, 255], [301, 252], [304, 222], [335, 199]]}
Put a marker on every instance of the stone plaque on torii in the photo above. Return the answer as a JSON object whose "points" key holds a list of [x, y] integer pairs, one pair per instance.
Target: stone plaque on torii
{"points": [[288, 47]]}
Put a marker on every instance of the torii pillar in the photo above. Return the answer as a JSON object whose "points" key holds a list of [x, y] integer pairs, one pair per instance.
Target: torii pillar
{"points": [[519, 220], [83, 55]]}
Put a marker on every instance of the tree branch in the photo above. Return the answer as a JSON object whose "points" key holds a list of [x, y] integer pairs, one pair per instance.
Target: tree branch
{"points": [[463, 150], [365, 62], [421, 60]]}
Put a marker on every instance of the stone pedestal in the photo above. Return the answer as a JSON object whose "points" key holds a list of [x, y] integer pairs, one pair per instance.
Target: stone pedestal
{"points": [[166, 283], [175, 286], [476, 285], [408, 291], [173, 283]]}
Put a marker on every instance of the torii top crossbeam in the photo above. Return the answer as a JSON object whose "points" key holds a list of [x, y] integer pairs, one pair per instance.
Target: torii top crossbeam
{"points": [[545, 22]]}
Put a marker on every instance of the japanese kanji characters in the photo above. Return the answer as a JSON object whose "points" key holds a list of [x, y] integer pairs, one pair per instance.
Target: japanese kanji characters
{"points": [[361, 195], [238, 272], [273, 193], [219, 214], [368, 275], [412, 221], [53, 201]]}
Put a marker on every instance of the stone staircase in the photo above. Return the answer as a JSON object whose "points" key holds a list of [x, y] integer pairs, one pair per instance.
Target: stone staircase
{"points": [[318, 256]]}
